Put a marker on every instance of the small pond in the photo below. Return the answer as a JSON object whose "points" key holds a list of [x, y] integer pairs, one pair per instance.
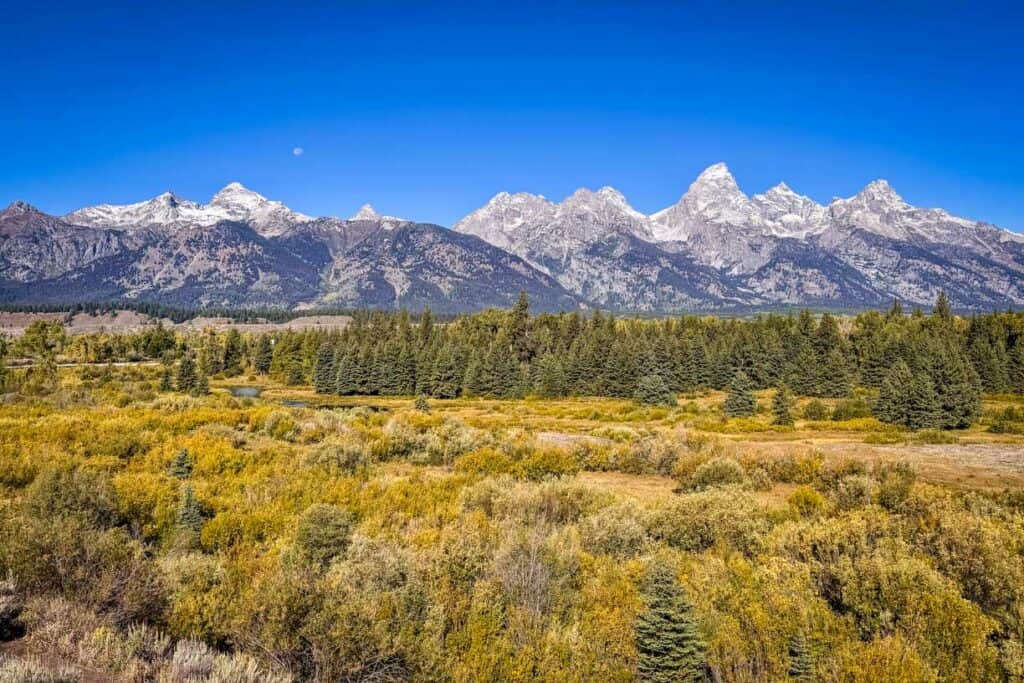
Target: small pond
{"points": [[245, 392]]}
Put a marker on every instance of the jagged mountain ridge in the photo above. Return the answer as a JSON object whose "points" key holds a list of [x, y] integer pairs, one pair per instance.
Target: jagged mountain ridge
{"points": [[775, 248], [716, 249], [178, 252]]}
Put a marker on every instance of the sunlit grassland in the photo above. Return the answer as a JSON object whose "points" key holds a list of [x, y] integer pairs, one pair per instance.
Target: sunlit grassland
{"points": [[502, 540]]}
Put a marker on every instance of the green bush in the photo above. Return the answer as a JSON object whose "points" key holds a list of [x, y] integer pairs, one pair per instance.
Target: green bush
{"points": [[696, 521], [718, 472], [323, 534], [851, 409], [815, 410]]}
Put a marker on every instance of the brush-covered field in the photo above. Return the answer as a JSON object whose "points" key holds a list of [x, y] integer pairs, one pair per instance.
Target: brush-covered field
{"points": [[152, 535]]}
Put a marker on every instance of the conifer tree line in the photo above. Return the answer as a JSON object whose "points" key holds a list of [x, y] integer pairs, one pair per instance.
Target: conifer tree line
{"points": [[927, 369], [507, 354]]}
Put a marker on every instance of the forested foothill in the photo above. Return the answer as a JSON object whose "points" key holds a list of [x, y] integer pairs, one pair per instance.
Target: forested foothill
{"points": [[508, 497]]}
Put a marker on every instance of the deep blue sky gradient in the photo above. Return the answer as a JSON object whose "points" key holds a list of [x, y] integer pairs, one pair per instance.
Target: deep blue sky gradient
{"points": [[429, 111]]}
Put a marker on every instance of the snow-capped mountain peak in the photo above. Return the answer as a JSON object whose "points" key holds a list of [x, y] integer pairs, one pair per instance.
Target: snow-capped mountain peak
{"points": [[508, 219], [882, 193], [786, 213], [234, 202], [713, 198], [586, 216], [236, 196], [366, 212], [781, 190]]}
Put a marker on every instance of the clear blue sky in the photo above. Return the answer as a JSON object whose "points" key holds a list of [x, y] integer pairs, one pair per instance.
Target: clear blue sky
{"points": [[429, 111]]}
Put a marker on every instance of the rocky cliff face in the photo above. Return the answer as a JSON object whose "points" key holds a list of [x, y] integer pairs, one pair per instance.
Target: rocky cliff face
{"points": [[716, 249], [241, 249], [775, 248]]}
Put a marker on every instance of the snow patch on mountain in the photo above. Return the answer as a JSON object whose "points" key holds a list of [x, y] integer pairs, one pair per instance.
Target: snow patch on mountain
{"points": [[234, 202]]}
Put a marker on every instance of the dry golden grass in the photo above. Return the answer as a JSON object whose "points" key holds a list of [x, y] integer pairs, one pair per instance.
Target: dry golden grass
{"points": [[977, 459]]}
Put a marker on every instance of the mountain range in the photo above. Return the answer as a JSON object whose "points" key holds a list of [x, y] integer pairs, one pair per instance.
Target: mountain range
{"points": [[716, 249]]}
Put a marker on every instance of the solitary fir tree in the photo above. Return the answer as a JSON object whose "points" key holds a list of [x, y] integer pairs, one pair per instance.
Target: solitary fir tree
{"points": [[741, 401], [181, 466], [942, 307], [782, 406], [190, 512], [668, 641]]}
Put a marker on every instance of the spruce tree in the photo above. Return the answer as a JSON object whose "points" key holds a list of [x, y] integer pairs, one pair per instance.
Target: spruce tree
{"points": [[294, 374], [835, 380], [446, 377], [186, 379], [942, 307], [741, 401], [232, 359], [804, 372], [210, 354], [323, 370], [426, 326], [344, 379], [405, 369], [518, 327], [957, 387], [550, 376], [891, 405], [923, 410], [801, 659], [264, 354], [654, 390], [782, 406], [475, 380], [202, 386], [190, 512], [166, 382], [503, 371], [621, 369], [1016, 363], [181, 465], [668, 640], [909, 399]]}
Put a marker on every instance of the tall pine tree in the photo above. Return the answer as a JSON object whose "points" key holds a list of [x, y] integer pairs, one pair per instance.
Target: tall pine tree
{"points": [[741, 401]]}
